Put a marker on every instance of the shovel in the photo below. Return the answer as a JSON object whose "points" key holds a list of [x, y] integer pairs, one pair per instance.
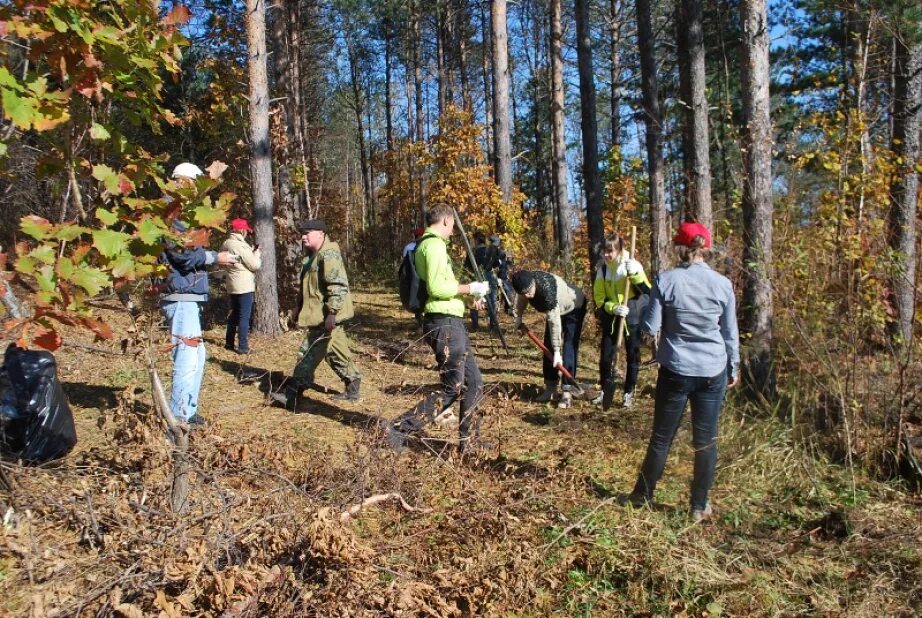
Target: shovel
{"points": [[575, 388]]}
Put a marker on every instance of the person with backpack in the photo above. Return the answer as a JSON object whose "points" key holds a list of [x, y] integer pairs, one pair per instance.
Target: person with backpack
{"points": [[324, 307], [407, 278], [504, 264], [486, 258], [699, 357], [184, 293], [564, 309], [608, 293], [443, 328], [241, 285]]}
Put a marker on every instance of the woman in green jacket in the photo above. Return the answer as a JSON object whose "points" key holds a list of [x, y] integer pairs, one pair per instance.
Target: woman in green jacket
{"points": [[608, 292]]}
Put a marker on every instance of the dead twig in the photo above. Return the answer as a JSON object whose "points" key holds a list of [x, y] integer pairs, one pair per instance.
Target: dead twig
{"points": [[347, 515]]}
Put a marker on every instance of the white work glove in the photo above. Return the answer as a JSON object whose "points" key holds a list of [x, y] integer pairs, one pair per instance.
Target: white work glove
{"points": [[621, 311], [479, 288], [632, 267], [558, 360]]}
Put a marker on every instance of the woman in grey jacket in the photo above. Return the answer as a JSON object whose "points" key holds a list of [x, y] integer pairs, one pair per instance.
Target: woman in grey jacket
{"points": [[699, 357], [241, 285]]}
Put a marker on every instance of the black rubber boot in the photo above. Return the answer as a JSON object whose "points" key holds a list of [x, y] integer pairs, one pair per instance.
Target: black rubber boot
{"points": [[351, 393]]}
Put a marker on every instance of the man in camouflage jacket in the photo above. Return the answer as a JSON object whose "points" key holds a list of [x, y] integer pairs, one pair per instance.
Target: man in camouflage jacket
{"points": [[324, 305]]}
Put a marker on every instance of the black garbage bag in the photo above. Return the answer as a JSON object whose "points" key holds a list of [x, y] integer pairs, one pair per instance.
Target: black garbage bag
{"points": [[36, 424]]}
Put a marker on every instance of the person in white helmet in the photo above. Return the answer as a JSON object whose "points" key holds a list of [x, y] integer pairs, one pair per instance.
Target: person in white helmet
{"points": [[184, 293]]}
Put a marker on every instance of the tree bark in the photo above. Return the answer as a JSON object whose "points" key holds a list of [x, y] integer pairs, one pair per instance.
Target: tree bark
{"points": [[486, 59], [388, 79], [590, 131], [359, 109], [267, 302], [502, 145], [537, 81], [559, 147], [696, 141], [444, 76], [757, 311], [462, 28], [907, 122], [614, 29], [654, 136]]}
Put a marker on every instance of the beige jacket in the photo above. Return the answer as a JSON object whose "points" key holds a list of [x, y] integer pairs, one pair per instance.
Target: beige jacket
{"points": [[324, 287], [240, 278]]}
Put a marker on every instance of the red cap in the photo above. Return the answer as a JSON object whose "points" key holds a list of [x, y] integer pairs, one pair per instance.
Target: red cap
{"points": [[418, 232], [687, 233], [240, 224]]}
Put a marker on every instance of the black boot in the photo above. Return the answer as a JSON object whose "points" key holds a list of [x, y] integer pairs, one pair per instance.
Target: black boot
{"points": [[352, 391], [288, 397]]}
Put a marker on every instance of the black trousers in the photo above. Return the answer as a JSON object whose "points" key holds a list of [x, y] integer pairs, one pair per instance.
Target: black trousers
{"points": [[571, 325], [458, 372], [607, 353]]}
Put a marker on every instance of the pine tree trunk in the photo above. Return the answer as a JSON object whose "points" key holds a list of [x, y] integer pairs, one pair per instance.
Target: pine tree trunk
{"points": [[502, 146], [615, 59], [441, 69], [461, 30], [388, 79], [654, 137], [289, 207], [757, 309], [559, 144], [536, 118], [697, 162], [359, 108], [907, 123], [486, 56], [590, 130], [267, 303]]}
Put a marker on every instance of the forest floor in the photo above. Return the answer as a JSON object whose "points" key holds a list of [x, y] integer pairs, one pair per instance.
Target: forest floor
{"points": [[528, 528]]}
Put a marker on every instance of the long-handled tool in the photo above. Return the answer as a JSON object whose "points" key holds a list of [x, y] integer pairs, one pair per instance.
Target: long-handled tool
{"points": [[608, 389], [575, 388], [475, 268]]}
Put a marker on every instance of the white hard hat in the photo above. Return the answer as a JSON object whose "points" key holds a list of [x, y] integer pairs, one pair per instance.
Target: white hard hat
{"points": [[187, 170]]}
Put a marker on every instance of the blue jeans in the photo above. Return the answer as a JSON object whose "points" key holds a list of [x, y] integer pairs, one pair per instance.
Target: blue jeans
{"points": [[188, 356], [672, 393], [238, 324], [571, 326]]}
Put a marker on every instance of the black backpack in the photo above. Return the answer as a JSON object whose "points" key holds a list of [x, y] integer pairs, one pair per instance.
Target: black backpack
{"points": [[413, 293]]}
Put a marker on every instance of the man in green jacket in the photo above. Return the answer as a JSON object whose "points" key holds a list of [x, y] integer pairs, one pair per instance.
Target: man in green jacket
{"points": [[443, 325], [324, 305]]}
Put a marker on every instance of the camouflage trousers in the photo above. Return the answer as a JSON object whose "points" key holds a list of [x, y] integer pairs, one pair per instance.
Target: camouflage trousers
{"points": [[319, 345]]}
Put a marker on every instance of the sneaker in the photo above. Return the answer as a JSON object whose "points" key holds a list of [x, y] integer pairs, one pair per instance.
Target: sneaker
{"points": [[598, 400], [547, 395], [700, 515], [447, 417], [566, 400], [628, 400], [243, 351]]}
